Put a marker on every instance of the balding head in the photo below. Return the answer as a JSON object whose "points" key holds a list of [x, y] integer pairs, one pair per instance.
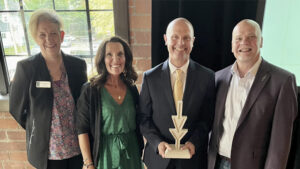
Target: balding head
{"points": [[179, 39], [249, 22], [178, 21], [246, 43]]}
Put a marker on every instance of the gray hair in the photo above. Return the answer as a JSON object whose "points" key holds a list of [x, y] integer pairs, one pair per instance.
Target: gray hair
{"points": [[43, 15]]}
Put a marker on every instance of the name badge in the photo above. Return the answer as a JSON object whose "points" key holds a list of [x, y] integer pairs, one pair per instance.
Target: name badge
{"points": [[43, 84]]}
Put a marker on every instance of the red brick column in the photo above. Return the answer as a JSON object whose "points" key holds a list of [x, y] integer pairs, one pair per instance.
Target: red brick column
{"points": [[12, 144], [140, 35]]}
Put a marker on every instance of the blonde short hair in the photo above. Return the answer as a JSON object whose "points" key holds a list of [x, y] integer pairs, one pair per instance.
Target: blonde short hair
{"points": [[43, 15]]}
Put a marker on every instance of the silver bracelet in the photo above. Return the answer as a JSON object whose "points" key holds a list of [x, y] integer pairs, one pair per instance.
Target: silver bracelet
{"points": [[88, 165], [86, 160]]}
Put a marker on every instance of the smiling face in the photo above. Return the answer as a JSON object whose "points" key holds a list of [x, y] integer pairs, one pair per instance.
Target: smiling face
{"points": [[114, 58], [246, 42], [179, 40], [49, 38]]}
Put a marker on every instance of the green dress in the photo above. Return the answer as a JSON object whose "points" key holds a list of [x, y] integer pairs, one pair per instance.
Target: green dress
{"points": [[119, 145]]}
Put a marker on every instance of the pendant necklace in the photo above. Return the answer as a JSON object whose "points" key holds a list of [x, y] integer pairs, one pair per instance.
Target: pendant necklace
{"points": [[115, 87]]}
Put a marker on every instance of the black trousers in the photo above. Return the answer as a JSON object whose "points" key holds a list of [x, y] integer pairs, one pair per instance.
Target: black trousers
{"points": [[174, 164], [70, 163], [222, 163]]}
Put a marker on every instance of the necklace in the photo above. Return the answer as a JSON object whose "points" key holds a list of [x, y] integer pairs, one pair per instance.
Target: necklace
{"points": [[116, 88]]}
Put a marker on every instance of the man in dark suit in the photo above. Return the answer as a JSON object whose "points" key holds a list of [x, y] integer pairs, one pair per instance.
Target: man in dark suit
{"points": [[157, 102], [256, 105]]}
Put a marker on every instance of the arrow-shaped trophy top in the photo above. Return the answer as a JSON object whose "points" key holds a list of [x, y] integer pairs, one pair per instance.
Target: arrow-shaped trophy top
{"points": [[178, 133], [178, 121]]}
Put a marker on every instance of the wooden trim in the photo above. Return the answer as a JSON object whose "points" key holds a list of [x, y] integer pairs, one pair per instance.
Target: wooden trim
{"points": [[121, 19]]}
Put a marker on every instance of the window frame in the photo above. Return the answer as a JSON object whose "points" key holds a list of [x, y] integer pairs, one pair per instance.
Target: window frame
{"points": [[4, 76], [120, 11], [121, 21]]}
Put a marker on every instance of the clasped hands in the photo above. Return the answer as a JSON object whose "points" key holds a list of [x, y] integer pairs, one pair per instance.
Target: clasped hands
{"points": [[163, 146]]}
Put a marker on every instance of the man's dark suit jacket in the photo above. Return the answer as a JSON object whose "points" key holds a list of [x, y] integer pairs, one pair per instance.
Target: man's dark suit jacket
{"points": [[32, 106], [157, 106], [263, 135]]}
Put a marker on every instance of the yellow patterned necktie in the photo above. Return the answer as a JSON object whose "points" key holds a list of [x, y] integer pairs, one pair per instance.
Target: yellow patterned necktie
{"points": [[178, 87]]}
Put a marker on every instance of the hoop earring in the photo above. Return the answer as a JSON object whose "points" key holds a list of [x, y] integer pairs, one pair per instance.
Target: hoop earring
{"points": [[124, 73]]}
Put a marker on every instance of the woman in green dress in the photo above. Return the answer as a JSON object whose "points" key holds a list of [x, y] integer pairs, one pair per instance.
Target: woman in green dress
{"points": [[108, 132]]}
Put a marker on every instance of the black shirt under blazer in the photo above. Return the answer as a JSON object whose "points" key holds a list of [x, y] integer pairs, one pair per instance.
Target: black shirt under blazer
{"points": [[157, 106], [89, 117], [32, 106]]}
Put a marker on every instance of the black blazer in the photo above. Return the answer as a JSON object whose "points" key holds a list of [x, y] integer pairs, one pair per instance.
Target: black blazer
{"points": [[32, 106], [89, 117], [157, 106]]}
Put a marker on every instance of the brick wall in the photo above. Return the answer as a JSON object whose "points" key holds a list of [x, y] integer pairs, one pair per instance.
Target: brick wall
{"points": [[12, 136], [140, 35], [12, 144]]}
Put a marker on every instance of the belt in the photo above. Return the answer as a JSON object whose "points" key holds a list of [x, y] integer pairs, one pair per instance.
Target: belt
{"points": [[224, 158], [118, 147]]}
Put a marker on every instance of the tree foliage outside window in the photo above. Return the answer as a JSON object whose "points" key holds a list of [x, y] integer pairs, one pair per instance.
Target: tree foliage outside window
{"points": [[86, 24]]}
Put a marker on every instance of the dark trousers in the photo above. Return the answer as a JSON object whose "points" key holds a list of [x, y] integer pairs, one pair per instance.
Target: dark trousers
{"points": [[222, 163], [174, 164], [70, 163]]}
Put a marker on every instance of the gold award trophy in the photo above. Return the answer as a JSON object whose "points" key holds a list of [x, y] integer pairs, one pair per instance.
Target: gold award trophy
{"points": [[178, 132]]}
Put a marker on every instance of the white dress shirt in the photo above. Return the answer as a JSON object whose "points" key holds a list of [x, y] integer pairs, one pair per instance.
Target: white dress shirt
{"points": [[173, 73], [235, 100]]}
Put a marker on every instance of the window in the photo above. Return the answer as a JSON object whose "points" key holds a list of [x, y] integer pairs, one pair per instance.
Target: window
{"points": [[86, 24], [281, 35]]}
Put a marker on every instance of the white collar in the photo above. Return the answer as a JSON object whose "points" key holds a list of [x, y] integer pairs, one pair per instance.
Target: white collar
{"points": [[252, 71], [174, 68]]}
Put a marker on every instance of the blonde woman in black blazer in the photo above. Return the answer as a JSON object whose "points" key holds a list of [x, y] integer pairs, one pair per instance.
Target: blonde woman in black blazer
{"points": [[43, 95]]}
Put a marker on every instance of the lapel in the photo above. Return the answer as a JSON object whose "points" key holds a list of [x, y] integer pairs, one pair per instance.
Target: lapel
{"points": [[223, 84], [166, 86], [189, 86], [68, 66], [260, 81], [41, 68], [42, 74]]}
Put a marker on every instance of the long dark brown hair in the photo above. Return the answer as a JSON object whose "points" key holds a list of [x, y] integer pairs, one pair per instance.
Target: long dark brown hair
{"points": [[129, 76]]}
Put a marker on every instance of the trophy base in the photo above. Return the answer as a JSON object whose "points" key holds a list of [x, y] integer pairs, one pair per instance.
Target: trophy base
{"points": [[174, 153]]}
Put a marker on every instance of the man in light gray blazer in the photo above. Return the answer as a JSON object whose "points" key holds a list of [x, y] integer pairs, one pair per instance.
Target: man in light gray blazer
{"points": [[256, 105]]}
